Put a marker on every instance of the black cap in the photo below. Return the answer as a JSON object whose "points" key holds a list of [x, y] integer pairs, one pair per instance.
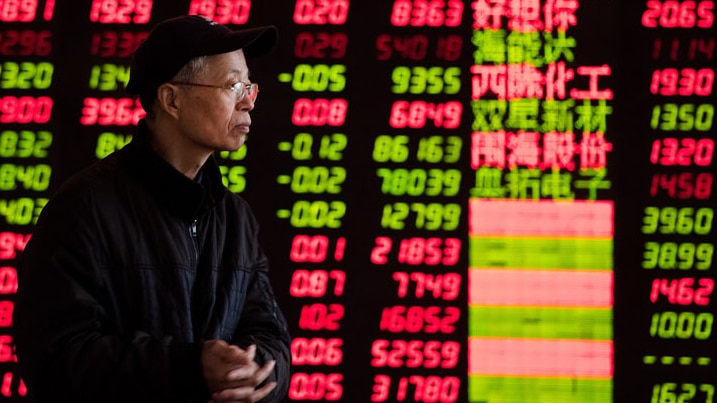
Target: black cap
{"points": [[173, 42]]}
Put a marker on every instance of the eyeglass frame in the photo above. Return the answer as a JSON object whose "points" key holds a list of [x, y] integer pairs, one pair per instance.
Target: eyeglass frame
{"points": [[239, 86]]}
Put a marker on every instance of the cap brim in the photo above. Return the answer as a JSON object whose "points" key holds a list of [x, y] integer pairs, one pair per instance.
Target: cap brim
{"points": [[253, 41]]}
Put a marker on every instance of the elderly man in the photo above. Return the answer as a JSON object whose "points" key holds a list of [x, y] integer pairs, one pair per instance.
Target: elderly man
{"points": [[144, 280]]}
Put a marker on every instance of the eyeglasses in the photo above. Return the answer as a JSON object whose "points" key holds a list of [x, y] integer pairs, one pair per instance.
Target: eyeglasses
{"points": [[240, 89]]}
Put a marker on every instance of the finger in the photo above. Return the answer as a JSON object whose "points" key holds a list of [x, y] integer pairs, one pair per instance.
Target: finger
{"points": [[243, 394], [256, 376], [262, 392], [238, 394]]}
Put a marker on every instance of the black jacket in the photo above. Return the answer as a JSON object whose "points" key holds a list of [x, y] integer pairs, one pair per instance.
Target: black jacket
{"points": [[130, 267]]}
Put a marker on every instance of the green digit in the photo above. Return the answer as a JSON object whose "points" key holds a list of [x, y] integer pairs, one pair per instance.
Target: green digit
{"points": [[685, 221], [686, 255], [452, 216], [452, 182], [416, 182], [668, 217], [301, 150], [400, 77], [452, 80], [435, 80], [704, 256], [332, 146], [453, 149], [8, 143], [336, 178], [418, 80], [650, 255], [435, 182], [703, 221], [650, 220]]}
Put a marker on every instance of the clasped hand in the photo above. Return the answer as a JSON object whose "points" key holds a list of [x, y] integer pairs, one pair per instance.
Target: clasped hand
{"points": [[232, 374]]}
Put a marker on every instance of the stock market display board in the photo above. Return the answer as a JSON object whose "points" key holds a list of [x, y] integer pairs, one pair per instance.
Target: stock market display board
{"points": [[485, 201]]}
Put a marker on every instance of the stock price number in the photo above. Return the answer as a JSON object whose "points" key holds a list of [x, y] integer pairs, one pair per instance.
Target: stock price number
{"points": [[319, 112], [25, 43], [6, 309], [108, 77], [681, 292], [682, 256], [315, 386], [303, 147], [222, 11], [682, 325], [415, 354], [321, 316], [22, 211], [110, 111], [321, 12], [25, 109], [120, 11], [24, 144], [30, 177], [417, 250], [315, 214], [316, 351], [419, 319], [415, 114], [684, 185], [678, 14], [10, 244], [445, 286], [315, 180], [24, 10], [430, 13], [116, 44], [432, 149], [8, 274], [419, 182], [685, 82], [26, 75], [233, 177], [681, 221], [682, 117], [426, 389], [314, 249], [684, 152], [670, 392], [415, 47], [316, 283], [426, 80], [431, 216], [320, 45], [318, 77], [108, 142]]}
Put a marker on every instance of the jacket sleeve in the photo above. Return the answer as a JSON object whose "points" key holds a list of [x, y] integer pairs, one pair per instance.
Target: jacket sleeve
{"points": [[262, 322], [66, 346]]}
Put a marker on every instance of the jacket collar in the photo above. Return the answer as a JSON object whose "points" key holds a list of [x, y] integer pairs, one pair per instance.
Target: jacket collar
{"points": [[180, 195]]}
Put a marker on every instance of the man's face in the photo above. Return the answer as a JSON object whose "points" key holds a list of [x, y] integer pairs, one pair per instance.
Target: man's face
{"points": [[212, 119]]}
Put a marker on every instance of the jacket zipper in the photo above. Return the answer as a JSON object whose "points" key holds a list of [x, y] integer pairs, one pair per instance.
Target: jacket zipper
{"points": [[193, 234]]}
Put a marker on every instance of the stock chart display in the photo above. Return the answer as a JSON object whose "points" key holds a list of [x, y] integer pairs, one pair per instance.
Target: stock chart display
{"points": [[484, 201]]}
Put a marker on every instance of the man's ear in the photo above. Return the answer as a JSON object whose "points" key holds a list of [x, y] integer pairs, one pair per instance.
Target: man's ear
{"points": [[168, 99]]}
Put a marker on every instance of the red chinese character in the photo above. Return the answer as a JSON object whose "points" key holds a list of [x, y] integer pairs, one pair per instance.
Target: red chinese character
{"points": [[555, 79], [593, 92], [488, 13], [559, 150], [593, 151], [560, 14], [524, 149], [524, 81], [488, 78], [488, 149], [525, 16]]}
